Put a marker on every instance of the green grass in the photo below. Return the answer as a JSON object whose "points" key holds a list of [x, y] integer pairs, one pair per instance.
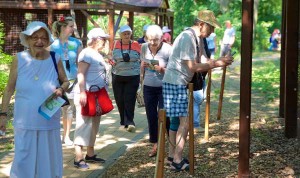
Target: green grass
{"points": [[265, 78]]}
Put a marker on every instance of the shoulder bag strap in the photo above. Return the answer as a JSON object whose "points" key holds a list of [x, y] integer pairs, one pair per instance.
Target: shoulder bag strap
{"points": [[54, 61], [197, 44]]}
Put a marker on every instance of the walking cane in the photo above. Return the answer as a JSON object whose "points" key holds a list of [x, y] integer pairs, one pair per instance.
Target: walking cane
{"points": [[207, 106], [191, 127], [221, 93], [159, 169]]}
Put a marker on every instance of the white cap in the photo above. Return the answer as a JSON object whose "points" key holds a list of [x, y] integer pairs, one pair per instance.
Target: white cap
{"points": [[125, 28], [31, 28], [97, 32], [166, 29], [145, 27]]}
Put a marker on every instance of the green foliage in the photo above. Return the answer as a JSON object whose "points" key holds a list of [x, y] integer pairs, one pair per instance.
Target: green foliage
{"points": [[5, 60], [269, 17], [261, 38], [139, 22], [265, 78], [1, 35], [3, 81], [270, 12]]}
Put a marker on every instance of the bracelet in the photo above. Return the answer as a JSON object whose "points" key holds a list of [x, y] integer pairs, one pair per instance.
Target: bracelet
{"points": [[61, 89], [3, 113]]}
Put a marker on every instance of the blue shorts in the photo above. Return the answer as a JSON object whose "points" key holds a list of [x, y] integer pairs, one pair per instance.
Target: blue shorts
{"points": [[175, 100]]}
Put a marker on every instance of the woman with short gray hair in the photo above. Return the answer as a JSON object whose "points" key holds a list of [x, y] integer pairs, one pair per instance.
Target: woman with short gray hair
{"points": [[154, 56]]}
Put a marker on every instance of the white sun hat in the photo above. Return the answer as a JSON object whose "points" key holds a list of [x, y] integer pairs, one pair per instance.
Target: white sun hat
{"points": [[125, 28], [166, 29], [33, 27], [97, 32], [145, 27]]}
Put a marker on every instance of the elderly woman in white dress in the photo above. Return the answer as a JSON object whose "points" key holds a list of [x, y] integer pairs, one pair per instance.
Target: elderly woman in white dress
{"points": [[33, 76]]}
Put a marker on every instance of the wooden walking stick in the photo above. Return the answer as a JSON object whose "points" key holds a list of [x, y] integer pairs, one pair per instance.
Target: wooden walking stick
{"points": [[191, 127], [221, 93], [207, 106], [159, 169]]}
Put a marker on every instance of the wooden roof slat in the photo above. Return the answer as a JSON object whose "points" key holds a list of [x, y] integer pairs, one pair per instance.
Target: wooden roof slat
{"points": [[51, 5], [142, 6]]}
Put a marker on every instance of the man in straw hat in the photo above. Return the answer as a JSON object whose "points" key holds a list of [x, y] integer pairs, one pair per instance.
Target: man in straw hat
{"points": [[186, 59]]}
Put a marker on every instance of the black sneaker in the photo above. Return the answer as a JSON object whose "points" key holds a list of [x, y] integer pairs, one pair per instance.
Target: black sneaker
{"points": [[94, 159]]}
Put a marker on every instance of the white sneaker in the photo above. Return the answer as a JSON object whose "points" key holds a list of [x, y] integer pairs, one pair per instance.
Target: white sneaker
{"points": [[199, 129], [68, 142], [131, 128]]}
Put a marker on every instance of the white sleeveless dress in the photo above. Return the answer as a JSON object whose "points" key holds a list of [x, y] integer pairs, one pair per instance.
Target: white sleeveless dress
{"points": [[38, 149]]}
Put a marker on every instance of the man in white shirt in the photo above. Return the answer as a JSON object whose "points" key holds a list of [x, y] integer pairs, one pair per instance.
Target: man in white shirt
{"points": [[228, 39]]}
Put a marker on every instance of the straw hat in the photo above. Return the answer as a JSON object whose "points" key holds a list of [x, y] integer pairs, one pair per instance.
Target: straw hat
{"points": [[97, 32], [125, 28], [31, 28], [166, 29], [208, 16]]}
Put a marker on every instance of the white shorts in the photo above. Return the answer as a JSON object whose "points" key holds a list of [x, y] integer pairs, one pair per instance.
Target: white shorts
{"points": [[38, 153], [69, 110], [86, 128]]}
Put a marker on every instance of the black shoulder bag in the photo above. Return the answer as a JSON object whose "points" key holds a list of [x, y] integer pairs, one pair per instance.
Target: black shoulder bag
{"points": [[55, 66]]}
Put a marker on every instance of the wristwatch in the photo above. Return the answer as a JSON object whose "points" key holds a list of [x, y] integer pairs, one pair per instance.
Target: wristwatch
{"points": [[3, 113]]}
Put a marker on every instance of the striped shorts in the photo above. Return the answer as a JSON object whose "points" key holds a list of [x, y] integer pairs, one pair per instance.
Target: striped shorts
{"points": [[175, 100]]}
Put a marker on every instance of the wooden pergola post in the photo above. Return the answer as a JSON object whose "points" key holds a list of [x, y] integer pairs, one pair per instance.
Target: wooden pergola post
{"points": [[111, 22], [282, 60], [291, 68], [245, 88], [130, 22]]}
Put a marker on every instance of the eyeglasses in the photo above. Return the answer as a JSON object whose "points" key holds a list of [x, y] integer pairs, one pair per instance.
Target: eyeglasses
{"points": [[211, 28], [154, 40], [36, 38]]}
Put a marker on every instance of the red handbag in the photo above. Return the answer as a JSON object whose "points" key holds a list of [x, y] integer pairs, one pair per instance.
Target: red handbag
{"points": [[98, 102]]}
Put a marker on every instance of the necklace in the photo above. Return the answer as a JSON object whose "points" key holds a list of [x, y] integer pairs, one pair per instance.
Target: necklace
{"points": [[157, 50], [36, 69], [65, 49]]}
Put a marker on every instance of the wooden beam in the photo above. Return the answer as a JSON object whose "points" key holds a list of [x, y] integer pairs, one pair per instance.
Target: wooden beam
{"points": [[245, 88], [90, 18], [118, 22], [72, 12], [291, 68], [111, 22], [51, 5], [131, 23]]}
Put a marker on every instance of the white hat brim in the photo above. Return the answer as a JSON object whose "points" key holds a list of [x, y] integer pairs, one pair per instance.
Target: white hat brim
{"points": [[166, 30], [29, 32]]}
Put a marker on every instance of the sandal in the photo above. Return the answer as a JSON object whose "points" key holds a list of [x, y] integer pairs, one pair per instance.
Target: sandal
{"points": [[182, 166], [81, 166], [152, 153], [170, 160]]}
